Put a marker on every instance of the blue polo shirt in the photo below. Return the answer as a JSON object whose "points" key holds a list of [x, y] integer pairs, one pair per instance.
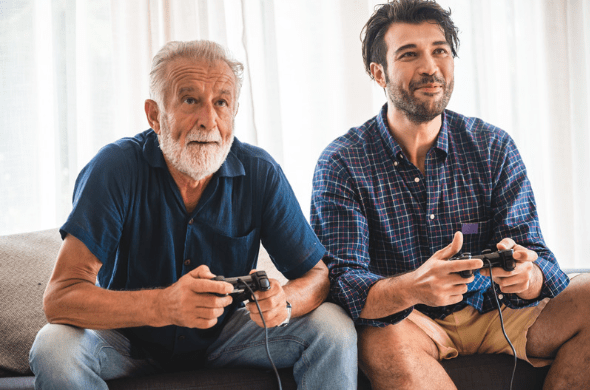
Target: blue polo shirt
{"points": [[130, 214]]}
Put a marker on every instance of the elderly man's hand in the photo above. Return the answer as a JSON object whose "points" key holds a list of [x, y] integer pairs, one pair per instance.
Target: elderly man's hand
{"points": [[273, 304], [526, 280], [195, 301]]}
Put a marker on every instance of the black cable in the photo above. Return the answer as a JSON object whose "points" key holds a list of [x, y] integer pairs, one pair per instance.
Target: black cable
{"points": [[502, 324], [265, 333]]}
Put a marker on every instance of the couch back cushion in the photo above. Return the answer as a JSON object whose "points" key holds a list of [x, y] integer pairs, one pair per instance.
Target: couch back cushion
{"points": [[26, 262]]}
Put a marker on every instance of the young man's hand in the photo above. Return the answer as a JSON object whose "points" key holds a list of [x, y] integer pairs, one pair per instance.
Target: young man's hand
{"points": [[437, 282], [526, 280]]}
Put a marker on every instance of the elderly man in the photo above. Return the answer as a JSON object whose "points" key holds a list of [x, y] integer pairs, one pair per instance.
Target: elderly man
{"points": [[390, 195], [155, 218]]}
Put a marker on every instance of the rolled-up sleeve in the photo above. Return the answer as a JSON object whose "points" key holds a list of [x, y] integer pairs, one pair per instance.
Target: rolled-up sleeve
{"points": [[338, 218]]}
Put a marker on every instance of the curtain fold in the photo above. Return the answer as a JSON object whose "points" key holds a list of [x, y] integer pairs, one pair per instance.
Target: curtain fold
{"points": [[74, 77]]}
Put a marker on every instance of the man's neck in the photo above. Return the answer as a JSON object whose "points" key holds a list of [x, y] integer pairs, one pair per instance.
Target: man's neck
{"points": [[414, 139], [191, 190]]}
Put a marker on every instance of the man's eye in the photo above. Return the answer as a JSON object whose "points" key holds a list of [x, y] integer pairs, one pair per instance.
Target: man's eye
{"points": [[190, 100], [222, 103], [408, 54], [440, 51]]}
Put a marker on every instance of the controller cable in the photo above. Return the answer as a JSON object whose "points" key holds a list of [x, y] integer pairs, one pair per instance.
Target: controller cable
{"points": [[502, 323], [265, 332]]}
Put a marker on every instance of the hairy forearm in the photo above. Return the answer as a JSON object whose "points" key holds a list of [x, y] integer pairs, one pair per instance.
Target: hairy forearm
{"points": [[388, 296], [71, 297], [85, 305], [308, 292]]}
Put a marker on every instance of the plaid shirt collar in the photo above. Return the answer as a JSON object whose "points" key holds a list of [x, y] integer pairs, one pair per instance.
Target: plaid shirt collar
{"points": [[394, 148]]}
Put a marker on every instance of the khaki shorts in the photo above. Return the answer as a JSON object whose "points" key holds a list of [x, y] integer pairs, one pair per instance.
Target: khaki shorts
{"points": [[467, 332]]}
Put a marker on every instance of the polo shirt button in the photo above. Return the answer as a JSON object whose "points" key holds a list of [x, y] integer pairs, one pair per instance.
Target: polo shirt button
{"points": [[191, 221], [187, 262], [417, 179], [500, 296], [432, 216], [396, 163], [181, 338]]}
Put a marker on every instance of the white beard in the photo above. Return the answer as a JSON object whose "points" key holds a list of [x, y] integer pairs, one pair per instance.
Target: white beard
{"points": [[194, 159]]}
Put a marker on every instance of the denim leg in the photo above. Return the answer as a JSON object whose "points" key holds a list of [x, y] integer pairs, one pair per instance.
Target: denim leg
{"points": [[67, 357], [321, 346]]}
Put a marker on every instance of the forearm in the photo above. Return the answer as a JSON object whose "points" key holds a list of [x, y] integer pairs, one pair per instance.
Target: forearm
{"points": [[85, 305], [308, 292], [388, 296]]}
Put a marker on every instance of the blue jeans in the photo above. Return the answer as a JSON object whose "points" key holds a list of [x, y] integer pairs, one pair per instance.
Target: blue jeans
{"points": [[321, 346]]}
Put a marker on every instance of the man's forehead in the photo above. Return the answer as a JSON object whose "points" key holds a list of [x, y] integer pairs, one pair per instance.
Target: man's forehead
{"points": [[401, 35], [186, 74]]}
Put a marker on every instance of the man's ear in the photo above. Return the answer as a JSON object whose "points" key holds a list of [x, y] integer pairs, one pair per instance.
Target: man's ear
{"points": [[378, 74], [152, 112]]}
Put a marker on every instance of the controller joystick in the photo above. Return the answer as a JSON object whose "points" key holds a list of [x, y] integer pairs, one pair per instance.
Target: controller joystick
{"points": [[501, 258], [258, 281]]}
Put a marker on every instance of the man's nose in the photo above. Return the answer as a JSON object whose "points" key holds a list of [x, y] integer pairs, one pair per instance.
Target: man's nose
{"points": [[428, 65], [207, 117]]}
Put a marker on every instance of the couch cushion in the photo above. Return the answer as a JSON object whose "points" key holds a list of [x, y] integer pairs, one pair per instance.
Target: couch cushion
{"points": [[212, 379], [26, 262]]}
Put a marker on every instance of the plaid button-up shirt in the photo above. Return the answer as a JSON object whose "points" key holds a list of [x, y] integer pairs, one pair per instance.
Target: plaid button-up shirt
{"points": [[378, 215]]}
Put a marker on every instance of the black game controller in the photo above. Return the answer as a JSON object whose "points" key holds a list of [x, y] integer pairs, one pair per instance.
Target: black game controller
{"points": [[502, 259], [258, 281]]}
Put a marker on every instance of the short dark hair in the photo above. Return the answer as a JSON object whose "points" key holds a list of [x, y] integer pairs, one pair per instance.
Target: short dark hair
{"points": [[403, 11]]}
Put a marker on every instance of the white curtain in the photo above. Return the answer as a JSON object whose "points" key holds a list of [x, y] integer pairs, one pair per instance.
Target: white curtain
{"points": [[73, 76], [525, 66]]}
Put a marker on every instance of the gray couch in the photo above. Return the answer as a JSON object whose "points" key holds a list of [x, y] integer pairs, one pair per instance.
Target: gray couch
{"points": [[26, 261]]}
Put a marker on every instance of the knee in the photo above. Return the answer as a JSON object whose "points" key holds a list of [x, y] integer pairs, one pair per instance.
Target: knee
{"points": [[55, 348], [333, 328], [392, 349]]}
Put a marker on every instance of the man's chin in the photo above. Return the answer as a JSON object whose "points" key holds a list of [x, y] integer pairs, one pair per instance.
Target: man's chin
{"points": [[201, 170], [423, 115], [205, 160], [430, 108]]}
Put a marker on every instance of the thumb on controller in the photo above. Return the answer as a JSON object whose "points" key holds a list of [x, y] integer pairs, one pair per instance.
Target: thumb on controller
{"points": [[453, 248]]}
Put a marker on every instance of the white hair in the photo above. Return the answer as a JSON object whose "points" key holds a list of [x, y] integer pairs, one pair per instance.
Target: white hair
{"points": [[197, 50]]}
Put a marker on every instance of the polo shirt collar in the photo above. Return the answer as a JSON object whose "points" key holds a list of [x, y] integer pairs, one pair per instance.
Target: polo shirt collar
{"points": [[231, 167], [151, 150], [442, 141]]}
